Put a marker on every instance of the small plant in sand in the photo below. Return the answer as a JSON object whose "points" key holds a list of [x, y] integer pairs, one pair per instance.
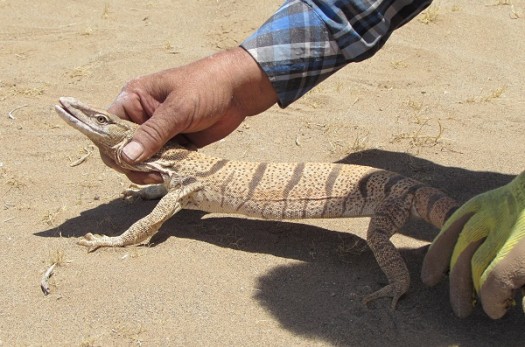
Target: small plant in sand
{"points": [[360, 142], [418, 138]]}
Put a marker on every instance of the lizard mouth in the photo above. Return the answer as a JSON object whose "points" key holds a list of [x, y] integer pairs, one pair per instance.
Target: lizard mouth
{"points": [[71, 113]]}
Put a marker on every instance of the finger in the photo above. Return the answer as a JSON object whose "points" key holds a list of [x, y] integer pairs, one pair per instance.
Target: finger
{"points": [[134, 102], [437, 259], [124, 104], [149, 138], [505, 274], [137, 177], [465, 264], [143, 178], [109, 162], [462, 295]]}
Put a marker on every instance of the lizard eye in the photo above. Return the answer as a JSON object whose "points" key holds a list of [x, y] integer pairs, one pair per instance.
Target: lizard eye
{"points": [[101, 119]]}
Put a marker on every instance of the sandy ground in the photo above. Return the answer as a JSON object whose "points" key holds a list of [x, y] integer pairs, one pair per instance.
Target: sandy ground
{"points": [[443, 102]]}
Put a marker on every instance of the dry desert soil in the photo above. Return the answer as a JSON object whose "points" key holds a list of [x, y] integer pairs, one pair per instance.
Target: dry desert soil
{"points": [[442, 102]]}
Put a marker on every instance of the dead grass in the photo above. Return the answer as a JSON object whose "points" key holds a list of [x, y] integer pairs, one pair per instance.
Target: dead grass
{"points": [[168, 46], [360, 142], [16, 90], [514, 14], [88, 151], [399, 64], [501, 3], [87, 32], [14, 182], [494, 94], [346, 249], [132, 334], [416, 106], [106, 11], [419, 139], [430, 15], [57, 257], [88, 342], [79, 72], [490, 96], [50, 216]]}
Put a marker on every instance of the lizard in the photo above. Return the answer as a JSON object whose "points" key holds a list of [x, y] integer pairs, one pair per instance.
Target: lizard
{"points": [[278, 191]]}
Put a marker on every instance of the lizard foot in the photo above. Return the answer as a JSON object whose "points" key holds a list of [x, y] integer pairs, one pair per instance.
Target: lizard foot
{"points": [[94, 241], [392, 290], [151, 192]]}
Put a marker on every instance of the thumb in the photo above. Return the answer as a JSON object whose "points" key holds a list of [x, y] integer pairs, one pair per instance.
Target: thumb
{"points": [[152, 135]]}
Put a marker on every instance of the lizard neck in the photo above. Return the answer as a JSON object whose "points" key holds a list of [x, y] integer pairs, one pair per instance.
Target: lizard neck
{"points": [[172, 160], [175, 160]]}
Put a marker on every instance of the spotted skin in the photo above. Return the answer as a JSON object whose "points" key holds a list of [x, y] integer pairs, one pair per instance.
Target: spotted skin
{"points": [[266, 190]]}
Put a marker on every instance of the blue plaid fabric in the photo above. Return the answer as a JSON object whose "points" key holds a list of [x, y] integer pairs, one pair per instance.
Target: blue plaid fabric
{"points": [[306, 41]]}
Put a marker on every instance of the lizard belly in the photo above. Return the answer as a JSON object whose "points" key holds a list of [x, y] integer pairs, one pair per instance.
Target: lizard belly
{"points": [[286, 191], [209, 200]]}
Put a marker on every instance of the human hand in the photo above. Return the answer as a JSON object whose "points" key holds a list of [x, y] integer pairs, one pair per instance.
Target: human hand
{"points": [[196, 104], [484, 244]]}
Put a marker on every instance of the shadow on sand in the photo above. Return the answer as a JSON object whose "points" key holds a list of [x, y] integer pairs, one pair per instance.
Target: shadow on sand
{"points": [[319, 297]]}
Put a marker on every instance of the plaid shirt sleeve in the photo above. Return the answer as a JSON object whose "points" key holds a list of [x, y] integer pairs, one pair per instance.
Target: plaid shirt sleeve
{"points": [[306, 41]]}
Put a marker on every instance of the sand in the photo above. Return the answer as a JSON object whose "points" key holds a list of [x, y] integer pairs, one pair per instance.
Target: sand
{"points": [[442, 102]]}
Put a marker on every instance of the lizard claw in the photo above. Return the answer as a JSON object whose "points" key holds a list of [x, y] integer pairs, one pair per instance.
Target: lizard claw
{"points": [[387, 291], [91, 241], [94, 241], [131, 193]]}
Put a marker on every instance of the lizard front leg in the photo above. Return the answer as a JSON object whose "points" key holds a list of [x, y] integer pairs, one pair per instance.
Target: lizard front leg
{"points": [[145, 227], [387, 220], [150, 192]]}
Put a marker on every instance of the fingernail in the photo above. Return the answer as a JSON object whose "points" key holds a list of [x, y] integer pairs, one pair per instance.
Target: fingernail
{"points": [[133, 150]]}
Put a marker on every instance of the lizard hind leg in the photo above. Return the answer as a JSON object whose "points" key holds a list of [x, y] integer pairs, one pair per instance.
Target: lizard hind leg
{"points": [[385, 223], [390, 290], [95, 241]]}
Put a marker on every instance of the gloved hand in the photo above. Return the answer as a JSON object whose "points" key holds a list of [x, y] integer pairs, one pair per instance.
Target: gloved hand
{"points": [[484, 244]]}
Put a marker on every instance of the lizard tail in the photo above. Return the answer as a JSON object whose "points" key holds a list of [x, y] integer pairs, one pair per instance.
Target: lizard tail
{"points": [[434, 206]]}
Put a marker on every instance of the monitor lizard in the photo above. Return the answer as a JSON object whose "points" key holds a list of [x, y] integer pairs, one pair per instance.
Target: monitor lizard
{"points": [[277, 191]]}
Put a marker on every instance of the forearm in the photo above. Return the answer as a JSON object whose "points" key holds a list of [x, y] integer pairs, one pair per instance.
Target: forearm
{"points": [[305, 42], [252, 92]]}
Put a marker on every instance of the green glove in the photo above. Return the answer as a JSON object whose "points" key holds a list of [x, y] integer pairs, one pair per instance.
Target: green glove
{"points": [[484, 244]]}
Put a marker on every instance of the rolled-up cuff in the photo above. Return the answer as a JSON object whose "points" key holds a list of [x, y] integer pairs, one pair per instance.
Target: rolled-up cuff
{"points": [[295, 50]]}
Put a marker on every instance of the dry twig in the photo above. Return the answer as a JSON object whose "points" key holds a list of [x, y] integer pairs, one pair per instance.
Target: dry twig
{"points": [[89, 151], [10, 114], [44, 283]]}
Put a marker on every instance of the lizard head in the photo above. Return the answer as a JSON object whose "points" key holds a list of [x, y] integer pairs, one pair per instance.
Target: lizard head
{"points": [[104, 129], [110, 134]]}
